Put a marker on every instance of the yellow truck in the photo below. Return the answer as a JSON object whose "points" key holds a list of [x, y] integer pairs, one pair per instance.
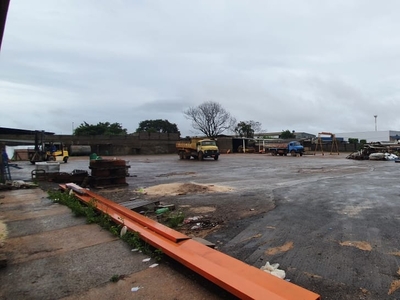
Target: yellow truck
{"points": [[198, 148]]}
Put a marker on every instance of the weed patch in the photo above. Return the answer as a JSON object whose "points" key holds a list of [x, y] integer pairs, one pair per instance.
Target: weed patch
{"points": [[92, 215]]}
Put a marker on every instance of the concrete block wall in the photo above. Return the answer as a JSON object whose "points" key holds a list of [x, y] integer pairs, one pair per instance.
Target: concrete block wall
{"points": [[142, 143]]}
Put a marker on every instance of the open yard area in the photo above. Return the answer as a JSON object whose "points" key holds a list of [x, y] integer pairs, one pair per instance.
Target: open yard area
{"points": [[330, 222]]}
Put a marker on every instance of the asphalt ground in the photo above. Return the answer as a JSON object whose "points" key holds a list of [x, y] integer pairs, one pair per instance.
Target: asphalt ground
{"points": [[330, 222], [50, 254]]}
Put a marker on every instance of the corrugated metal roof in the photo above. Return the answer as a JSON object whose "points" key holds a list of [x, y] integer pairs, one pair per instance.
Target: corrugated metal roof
{"points": [[5, 130]]}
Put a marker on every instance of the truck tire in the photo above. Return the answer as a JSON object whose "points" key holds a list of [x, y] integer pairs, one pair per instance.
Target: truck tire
{"points": [[65, 159], [216, 157], [293, 153], [181, 156], [201, 156]]}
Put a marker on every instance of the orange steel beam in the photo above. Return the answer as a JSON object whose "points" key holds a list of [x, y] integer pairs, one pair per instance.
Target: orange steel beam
{"points": [[233, 275]]}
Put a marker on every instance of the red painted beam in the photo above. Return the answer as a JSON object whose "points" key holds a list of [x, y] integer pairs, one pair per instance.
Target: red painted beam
{"points": [[233, 275]]}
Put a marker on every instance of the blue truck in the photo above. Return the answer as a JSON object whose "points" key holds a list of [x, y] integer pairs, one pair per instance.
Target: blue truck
{"points": [[293, 148]]}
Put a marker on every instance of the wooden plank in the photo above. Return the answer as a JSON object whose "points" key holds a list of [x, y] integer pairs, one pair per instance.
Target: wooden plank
{"points": [[137, 203]]}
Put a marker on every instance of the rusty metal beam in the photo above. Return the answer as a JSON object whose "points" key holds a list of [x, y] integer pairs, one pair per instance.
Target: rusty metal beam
{"points": [[233, 275]]}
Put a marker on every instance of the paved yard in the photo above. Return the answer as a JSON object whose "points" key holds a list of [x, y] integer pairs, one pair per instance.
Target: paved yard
{"points": [[331, 223]]}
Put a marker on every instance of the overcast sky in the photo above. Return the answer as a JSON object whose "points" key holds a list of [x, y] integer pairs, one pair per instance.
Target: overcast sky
{"points": [[307, 66]]}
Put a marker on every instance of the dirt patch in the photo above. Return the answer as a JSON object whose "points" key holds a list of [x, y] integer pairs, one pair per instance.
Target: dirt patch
{"points": [[175, 189], [202, 209], [395, 253], [284, 248], [394, 286], [353, 211], [342, 170], [252, 237], [199, 226], [3, 233], [312, 275], [360, 245]]}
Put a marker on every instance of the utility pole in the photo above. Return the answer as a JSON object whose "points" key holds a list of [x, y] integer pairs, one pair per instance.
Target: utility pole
{"points": [[376, 128]]}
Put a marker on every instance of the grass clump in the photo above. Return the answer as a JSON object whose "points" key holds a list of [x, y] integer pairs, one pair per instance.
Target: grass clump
{"points": [[92, 215], [174, 219]]}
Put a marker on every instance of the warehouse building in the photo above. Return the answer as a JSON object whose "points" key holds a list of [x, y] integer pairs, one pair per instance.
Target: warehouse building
{"points": [[391, 136]]}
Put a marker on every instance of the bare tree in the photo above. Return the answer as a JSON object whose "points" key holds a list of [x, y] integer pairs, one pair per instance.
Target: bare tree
{"points": [[210, 118]]}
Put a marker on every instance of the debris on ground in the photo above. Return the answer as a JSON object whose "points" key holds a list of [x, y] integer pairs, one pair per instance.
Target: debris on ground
{"points": [[273, 270], [376, 151], [123, 231], [383, 156], [17, 184], [199, 222], [177, 189]]}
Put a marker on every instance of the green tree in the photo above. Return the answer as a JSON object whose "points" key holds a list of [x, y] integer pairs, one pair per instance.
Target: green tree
{"points": [[210, 118], [353, 141], [287, 134], [247, 128], [100, 129], [161, 126]]}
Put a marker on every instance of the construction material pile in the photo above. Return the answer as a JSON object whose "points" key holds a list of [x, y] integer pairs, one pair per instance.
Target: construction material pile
{"points": [[376, 151]]}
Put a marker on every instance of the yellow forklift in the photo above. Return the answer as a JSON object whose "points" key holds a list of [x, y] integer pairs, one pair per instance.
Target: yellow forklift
{"points": [[47, 151]]}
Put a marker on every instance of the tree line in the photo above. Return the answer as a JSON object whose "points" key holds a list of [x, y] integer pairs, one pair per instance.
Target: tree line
{"points": [[208, 118]]}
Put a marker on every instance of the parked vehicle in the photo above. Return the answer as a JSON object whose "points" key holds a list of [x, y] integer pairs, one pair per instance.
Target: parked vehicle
{"points": [[198, 149], [293, 147], [49, 151]]}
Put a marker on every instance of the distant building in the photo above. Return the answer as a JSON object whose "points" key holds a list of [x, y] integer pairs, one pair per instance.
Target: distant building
{"points": [[275, 135], [372, 136]]}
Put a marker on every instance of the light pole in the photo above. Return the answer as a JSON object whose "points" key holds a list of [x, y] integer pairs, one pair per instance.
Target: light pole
{"points": [[376, 128]]}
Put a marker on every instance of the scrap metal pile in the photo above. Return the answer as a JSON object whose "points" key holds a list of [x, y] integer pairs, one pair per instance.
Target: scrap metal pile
{"points": [[376, 151]]}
